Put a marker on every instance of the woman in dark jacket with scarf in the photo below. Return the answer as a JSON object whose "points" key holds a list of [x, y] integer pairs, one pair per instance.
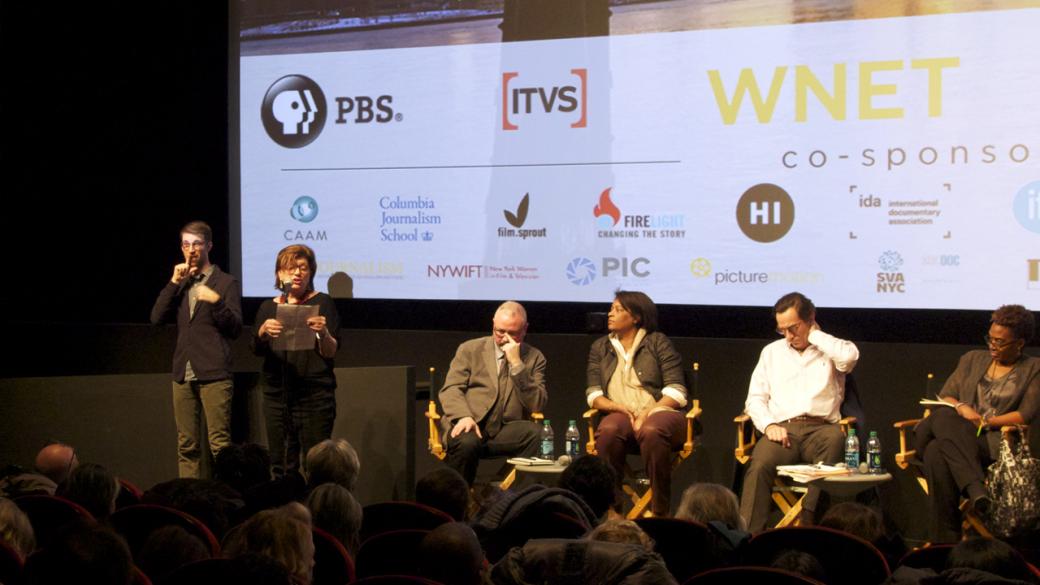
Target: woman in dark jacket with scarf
{"points": [[635, 379]]}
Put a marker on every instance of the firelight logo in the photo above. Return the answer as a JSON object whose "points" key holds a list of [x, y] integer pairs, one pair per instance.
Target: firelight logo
{"points": [[607, 214], [519, 100]]}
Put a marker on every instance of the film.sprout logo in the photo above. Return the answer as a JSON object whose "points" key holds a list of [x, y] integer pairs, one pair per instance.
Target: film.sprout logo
{"points": [[293, 111]]}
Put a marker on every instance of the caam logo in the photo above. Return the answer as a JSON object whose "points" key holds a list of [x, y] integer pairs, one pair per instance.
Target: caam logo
{"points": [[294, 110], [519, 100]]}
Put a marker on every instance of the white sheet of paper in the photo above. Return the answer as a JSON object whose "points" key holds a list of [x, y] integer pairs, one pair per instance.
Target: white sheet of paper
{"points": [[296, 335]]}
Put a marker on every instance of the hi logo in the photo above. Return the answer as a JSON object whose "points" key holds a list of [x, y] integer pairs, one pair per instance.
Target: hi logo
{"points": [[519, 100], [765, 213]]}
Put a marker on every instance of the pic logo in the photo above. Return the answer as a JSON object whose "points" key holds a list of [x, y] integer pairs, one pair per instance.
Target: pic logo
{"points": [[581, 271], [518, 100], [1027, 206], [765, 213], [293, 111], [700, 267], [606, 212], [1033, 281], [890, 279], [304, 209], [517, 220]]}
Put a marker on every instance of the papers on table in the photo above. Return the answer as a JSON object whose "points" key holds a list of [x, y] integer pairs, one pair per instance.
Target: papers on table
{"points": [[807, 473], [296, 335], [529, 461]]}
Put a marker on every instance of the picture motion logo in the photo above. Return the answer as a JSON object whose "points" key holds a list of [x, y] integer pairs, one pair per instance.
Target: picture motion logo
{"points": [[294, 111]]}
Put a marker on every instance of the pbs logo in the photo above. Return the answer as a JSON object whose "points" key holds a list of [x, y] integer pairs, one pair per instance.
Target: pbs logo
{"points": [[294, 111]]}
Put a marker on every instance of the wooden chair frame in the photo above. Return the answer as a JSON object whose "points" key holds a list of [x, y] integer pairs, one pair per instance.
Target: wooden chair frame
{"points": [[641, 501], [786, 496], [436, 447]]}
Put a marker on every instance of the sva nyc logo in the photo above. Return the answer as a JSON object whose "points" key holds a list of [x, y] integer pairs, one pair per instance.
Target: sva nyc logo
{"points": [[519, 100], [294, 111]]}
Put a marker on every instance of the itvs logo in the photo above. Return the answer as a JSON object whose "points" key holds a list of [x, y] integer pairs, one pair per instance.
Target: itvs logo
{"points": [[519, 100]]}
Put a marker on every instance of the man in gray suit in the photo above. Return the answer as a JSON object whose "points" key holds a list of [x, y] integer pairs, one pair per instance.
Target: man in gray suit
{"points": [[493, 385]]}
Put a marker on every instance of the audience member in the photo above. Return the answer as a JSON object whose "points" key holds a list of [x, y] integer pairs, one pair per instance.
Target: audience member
{"points": [[800, 562], [212, 502], [579, 561], [451, 553], [624, 531], [93, 487], [334, 510], [987, 555], [56, 461], [332, 461], [279, 535], [15, 529], [593, 479], [168, 549], [446, 490], [81, 554], [52, 466], [856, 519], [711, 502], [242, 466]]}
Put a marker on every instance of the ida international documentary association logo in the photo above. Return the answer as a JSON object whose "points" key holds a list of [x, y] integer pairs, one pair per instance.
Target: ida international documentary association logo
{"points": [[294, 111]]}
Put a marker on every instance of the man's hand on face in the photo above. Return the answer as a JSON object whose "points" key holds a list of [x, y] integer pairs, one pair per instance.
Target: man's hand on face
{"points": [[778, 434], [512, 350], [464, 425], [180, 271]]}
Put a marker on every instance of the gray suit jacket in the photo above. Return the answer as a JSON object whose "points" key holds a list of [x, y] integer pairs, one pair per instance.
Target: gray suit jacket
{"points": [[471, 387]]}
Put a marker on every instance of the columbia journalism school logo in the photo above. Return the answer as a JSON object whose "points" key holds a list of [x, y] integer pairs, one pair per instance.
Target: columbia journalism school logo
{"points": [[294, 111]]}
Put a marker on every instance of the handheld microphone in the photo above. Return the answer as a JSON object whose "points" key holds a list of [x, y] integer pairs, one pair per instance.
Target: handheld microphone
{"points": [[286, 287]]}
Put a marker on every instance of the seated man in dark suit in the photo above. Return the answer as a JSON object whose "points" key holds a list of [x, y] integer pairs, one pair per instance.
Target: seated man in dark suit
{"points": [[493, 385]]}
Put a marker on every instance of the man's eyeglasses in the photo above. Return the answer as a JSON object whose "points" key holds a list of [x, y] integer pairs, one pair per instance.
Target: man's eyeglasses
{"points": [[996, 342], [793, 329], [192, 245]]}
